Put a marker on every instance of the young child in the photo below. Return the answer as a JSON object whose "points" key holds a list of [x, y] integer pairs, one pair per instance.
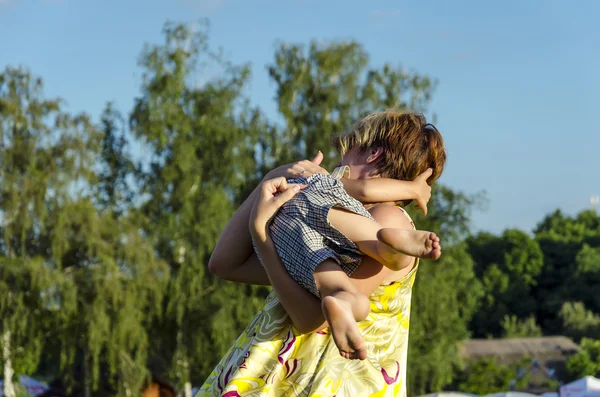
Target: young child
{"points": [[323, 231]]}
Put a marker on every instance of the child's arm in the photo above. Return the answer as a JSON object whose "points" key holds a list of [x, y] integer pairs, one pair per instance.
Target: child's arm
{"points": [[379, 190]]}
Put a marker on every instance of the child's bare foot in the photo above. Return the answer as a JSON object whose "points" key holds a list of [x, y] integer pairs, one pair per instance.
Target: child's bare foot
{"points": [[338, 310], [417, 243]]}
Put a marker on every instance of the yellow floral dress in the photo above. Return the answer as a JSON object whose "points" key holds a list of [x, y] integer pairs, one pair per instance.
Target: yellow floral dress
{"points": [[271, 359]]}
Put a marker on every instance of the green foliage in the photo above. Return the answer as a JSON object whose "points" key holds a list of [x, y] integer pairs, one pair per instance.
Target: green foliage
{"points": [[485, 376], [446, 293], [527, 281], [508, 267], [113, 191], [84, 280], [515, 328], [565, 273], [587, 276], [578, 322], [586, 362], [42, 156], [445, 296], [322, 88], [449, 213], [119, 285], [201, 142]]}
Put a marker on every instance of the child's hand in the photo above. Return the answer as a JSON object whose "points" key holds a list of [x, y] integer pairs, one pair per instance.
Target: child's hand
{"points": [[303, 168], [273, 194], [422, 190]]}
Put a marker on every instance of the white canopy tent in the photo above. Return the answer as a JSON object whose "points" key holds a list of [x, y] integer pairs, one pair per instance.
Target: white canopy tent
{"points": [[450, 394], [511, 394], [584, 387], [33, 387], [549, 394]]}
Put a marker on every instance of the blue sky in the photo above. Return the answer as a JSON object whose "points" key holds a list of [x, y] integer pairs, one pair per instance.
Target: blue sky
{"points": [[518, 80]]}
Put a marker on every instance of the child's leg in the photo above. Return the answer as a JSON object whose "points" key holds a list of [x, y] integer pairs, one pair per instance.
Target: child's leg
{"points": [[384, 244], [343, 305]]}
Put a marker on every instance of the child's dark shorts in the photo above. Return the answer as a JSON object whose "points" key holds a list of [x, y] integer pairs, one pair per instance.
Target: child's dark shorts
{"points": [[303, 236]]}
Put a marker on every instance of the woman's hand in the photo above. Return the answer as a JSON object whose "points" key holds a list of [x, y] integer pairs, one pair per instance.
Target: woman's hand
{"points": [[273, 193], [303, 168]]}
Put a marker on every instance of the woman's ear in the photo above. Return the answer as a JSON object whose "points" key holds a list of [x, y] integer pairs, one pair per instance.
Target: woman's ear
{"points": [[374, 154]]}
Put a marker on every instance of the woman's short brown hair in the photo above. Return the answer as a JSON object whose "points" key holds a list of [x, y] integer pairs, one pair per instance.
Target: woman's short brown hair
{"points": [[410, 144]]}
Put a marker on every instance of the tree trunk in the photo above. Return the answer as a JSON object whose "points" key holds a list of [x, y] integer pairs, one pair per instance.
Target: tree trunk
{"points": [[188, 389], [9, 388], [86, 373]]}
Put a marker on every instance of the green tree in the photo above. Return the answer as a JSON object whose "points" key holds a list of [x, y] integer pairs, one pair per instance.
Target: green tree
{"points": [[578, 322], [569, 270], [515, 328], [200, 141], [323, 88], [119, 286], [587, 277], [586, 362], [485, 376], [39, 155], [114, 190], [445, 296], [449, 213], [79, 279], [508, 266], [446, 292]]}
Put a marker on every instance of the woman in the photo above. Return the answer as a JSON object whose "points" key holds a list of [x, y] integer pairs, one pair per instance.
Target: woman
{"points": [[287, 350]]}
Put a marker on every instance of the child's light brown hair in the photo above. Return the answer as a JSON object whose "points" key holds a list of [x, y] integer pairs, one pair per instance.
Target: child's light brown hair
{"points": [[410, 144]]}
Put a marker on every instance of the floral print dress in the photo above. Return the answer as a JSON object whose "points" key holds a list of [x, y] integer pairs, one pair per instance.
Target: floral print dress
{"points": [[271, 359]]}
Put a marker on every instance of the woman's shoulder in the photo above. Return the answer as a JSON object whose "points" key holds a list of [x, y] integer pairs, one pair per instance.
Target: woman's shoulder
{"points": [[403, 211], [392, 215]]}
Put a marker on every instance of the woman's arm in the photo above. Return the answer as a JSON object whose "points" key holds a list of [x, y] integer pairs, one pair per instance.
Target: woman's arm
{"points": [[381, 190], [304, 308], [231, 258]]}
